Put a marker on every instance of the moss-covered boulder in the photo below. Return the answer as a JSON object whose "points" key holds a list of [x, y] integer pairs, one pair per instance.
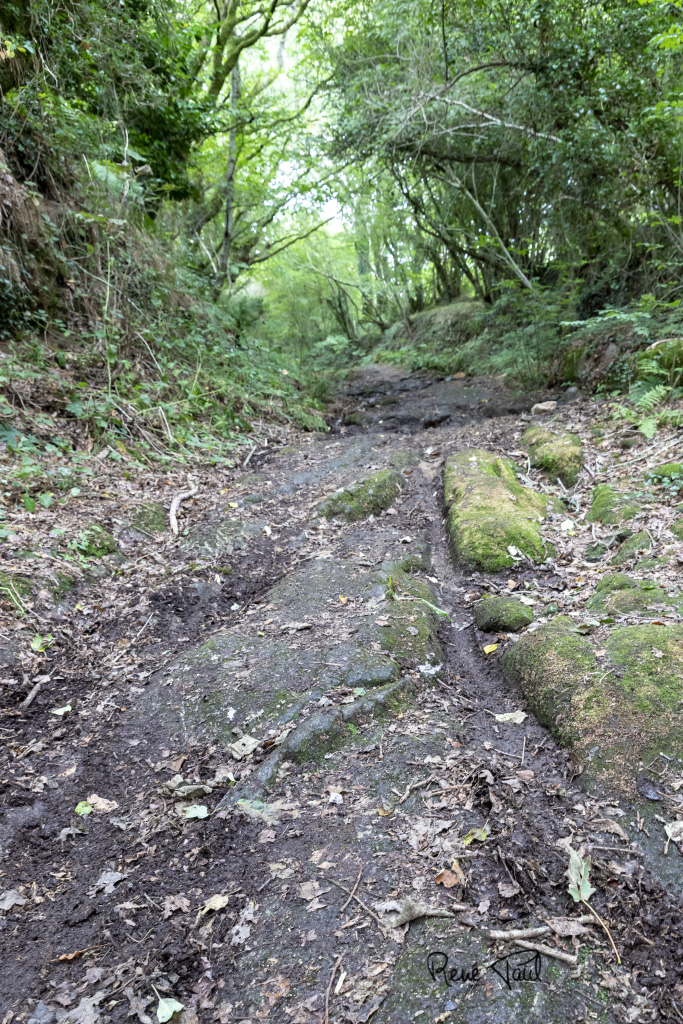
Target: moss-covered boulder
{"points": [[504, 614], [369, 497], [610, 506], [558, 455], [490, 512], [619, 594], [640, 541], [616, 699], [668, 471], [94, 542]]}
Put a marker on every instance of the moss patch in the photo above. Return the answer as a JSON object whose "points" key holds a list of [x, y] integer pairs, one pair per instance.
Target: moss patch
{"points": [[615, 709], [150, 517], [558, 455], [502, 613], [638, 542], [612, 507], [677, 528], [489, 511], [370, 497], [94, 542], [668, 471], [618, 593]]}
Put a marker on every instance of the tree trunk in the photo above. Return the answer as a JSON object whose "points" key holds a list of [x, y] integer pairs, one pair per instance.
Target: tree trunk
{"points": [[224, 274]]}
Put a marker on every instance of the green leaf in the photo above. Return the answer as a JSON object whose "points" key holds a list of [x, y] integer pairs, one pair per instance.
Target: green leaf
{"points": [[476, 833], [61, 711], [83, 808], [579, 887], [29, 504], [45, 500], [197, 811], [166, 1008], [41, 643]]}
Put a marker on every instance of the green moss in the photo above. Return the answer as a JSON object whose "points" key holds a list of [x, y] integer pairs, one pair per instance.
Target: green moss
{"points": [[549, 665], [668, 471], [612, 507], [651, 662], [618, 593], [638, 542], [150, 517], [94, 542], [65, 584], [558, 455], [371, 496], [502, 613], [411, 614], [489, 511], [354, 419], [594, 552], [677, 528]]}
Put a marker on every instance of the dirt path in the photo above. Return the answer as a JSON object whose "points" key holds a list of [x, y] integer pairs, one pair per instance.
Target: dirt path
{"points": [[298, 788]]}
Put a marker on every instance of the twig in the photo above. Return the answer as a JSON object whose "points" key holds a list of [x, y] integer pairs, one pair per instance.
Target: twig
{"points": [[125, 651], [500, 935], [355, 890], [175, 504], [415, 785], [358, 901], [329, 988], [246, 461], [31, 696], [538, 947]]}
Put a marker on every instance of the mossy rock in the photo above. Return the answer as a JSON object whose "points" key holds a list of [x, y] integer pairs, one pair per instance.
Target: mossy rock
{"points": [[549, 664], [504, 614], [677, 528], [629, 549], [150, 517], [94, 542], [619, 594], [618, 706], [595, 552], [558, 455], [489, 511], [671, 471], [369, 497], [612, 507], [220, 539]]}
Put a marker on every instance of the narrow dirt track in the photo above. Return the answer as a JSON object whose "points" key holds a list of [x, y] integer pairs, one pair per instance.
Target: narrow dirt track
{"points": [[385, 813]]}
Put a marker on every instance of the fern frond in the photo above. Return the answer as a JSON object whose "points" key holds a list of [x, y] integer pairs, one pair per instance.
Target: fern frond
{"points": [[652, 398]]}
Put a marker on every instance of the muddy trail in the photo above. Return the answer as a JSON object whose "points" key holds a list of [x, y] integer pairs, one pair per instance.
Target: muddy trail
{"points": [[289, 767]]}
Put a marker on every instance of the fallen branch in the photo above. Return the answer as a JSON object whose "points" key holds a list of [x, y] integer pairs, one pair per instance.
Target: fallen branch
{"points": [[355, 890], [175, 504], [557, 954], [28, 700], [358, 901], [329, 988]]}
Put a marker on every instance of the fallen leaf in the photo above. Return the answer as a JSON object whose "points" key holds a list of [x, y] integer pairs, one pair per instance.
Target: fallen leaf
{"points": [[243, 747], [98, 803], [60, 712], [106, 882], [508, 889], [173, 903], [490, 648], [479, 834], [196, 811], [217, 902], [382, 621], [343, 600], [11, 898], [267, 836], [309, 890], [451, 878], [674, 831], [395, 913], [656, 653], [566, 926], [514, 717], [83, 808], [167, 1007]]}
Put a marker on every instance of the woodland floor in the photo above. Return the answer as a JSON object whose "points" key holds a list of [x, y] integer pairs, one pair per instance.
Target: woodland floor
{"points": [[245, 914]]}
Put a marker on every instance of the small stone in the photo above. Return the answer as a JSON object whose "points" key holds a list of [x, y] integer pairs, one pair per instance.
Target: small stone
{"points": [[543, 408]]}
